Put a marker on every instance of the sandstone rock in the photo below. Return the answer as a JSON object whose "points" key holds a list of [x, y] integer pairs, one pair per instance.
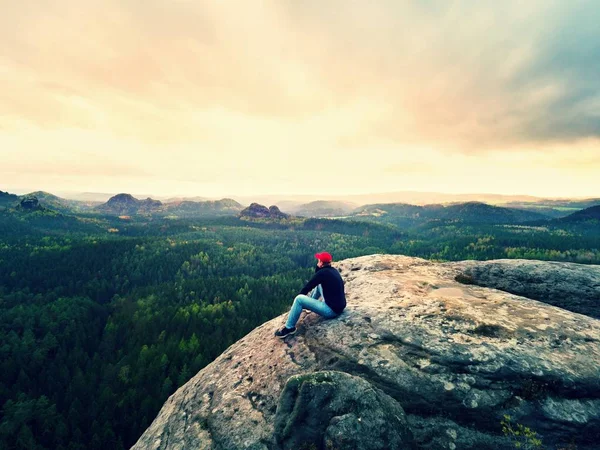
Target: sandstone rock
{"points": [[575, 287], [30, 203], [275, 212], [455, 357], [334, 410], [257, 211]]}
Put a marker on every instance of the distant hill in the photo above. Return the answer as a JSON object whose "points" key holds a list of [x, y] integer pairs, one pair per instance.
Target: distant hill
{"points": [[323, 208], [7, 199], [552, 213], [476, 212], [554, 208], [407, 215], [223, 207], [407, 197], [186, 199], [126, 204], [588, 214], [29, 217], [290, 202], [60, 204], [585, 203], [401, 214]]}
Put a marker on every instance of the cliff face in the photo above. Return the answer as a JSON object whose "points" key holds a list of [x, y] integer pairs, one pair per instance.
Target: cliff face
{"points": [[417, 360]]}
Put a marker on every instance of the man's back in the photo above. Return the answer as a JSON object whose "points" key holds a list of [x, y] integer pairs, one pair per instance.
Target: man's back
{"points": [[333, 287]]}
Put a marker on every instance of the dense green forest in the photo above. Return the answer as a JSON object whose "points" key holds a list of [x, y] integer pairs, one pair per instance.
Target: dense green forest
{"points": [[101, 319]]}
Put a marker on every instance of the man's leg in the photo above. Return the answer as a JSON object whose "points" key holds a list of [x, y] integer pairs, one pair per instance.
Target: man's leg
{"points": [[317, 292], [306, 302]]}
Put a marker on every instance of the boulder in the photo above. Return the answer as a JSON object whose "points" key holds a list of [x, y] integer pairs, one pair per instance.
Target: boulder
{"points": [[334, 410]]}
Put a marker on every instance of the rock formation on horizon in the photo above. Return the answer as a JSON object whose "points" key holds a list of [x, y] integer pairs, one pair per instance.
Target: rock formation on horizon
{"points": [[30, 203], [257, 211], [422, 358]]}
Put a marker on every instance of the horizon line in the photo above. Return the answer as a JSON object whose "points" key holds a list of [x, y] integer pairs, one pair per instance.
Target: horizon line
{"points": [[59, 192]]}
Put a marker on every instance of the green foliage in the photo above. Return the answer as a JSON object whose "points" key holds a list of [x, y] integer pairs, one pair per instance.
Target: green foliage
{"points": [[522, 437], [451, 241], [97, 329], [106, 327]]}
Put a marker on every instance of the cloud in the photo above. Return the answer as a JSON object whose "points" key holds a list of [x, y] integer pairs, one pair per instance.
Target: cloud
{"points": [[193, 88], [472, 76]]}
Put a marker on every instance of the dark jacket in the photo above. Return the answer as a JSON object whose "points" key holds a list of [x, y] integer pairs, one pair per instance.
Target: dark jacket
{"points": [[333, 287]]}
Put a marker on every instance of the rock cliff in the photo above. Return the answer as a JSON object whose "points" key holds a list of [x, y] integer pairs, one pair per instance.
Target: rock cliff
{"points": [[422, 358]]}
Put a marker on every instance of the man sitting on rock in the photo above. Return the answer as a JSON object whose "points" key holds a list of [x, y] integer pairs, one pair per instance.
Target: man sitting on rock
{"points": [[327, 282]]}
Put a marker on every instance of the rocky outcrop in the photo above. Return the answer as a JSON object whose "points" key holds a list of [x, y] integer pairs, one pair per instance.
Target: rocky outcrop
{"points": [[575, 287], [257, 211], [448, 360], [276, 213], [30, 203], [340, 410]]}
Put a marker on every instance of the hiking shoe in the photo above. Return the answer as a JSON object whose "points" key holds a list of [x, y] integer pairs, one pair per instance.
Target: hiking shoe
{"points": [[284, 332]]}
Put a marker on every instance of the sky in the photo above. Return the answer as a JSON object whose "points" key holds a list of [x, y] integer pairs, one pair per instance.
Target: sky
{"points": [[214, 98]]}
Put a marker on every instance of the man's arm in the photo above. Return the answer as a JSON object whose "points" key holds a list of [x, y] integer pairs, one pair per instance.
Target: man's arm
{"points": [[312, 283]]}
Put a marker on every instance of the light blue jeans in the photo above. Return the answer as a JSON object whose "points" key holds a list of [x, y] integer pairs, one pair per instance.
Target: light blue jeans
{"points": [[312, 304]]}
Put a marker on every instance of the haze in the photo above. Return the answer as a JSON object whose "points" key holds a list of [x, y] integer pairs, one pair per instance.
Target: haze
{"points": [[215, 98]]}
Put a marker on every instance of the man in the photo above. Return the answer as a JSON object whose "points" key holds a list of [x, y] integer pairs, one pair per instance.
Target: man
{"points": [[327, 282]]}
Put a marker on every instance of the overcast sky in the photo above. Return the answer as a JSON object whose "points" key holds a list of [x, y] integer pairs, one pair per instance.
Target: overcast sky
{"points": [[212, 98]]}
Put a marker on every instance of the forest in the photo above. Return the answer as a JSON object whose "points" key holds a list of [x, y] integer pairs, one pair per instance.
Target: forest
{"points": [[101, 319]]}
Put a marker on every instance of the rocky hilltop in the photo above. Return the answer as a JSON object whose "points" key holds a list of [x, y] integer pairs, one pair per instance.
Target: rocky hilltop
{"points": [[422, 358], [258, 211]]}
